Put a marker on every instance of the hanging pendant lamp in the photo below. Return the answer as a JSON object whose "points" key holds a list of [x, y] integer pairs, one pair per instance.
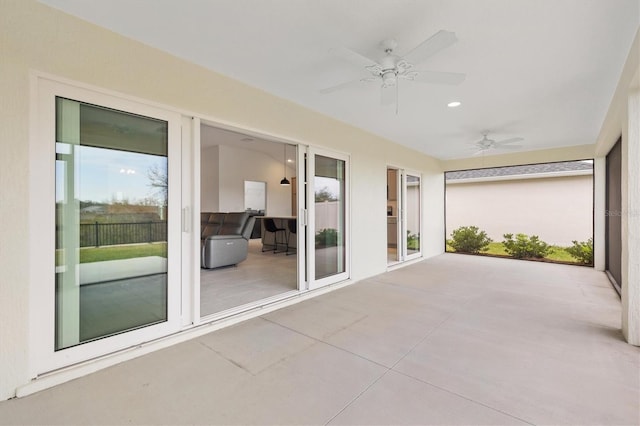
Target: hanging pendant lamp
{"points": [[285, 181]]}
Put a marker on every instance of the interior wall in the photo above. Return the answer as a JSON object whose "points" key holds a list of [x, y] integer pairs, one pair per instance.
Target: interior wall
{"points": [[237, 165], [39, 39], [210, 179]]}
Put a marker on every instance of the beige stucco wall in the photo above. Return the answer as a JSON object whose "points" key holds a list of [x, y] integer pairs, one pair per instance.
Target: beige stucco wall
{"points": [[34, 37], [557, 209]]}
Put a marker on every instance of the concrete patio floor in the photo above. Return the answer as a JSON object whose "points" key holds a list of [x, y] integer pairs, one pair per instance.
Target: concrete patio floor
{"points": [[451, 340]]}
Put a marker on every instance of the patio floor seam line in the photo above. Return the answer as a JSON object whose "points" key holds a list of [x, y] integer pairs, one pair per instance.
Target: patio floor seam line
{"points": [[229, 360], [327, 343], [464, 397], [354, 399], [422, 340]]}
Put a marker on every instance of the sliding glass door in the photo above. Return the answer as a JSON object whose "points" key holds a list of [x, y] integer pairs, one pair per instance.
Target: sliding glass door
{"points": [[111, 222], [403, 215], [328, 236], [116, 208], [411, 215]]}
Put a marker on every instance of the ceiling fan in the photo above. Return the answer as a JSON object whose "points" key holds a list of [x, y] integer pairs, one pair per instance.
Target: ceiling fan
{"points": [[391, 68], [485, 144]]}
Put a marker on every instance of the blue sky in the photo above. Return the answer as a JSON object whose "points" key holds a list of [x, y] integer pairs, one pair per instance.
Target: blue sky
{"points": [[106, 174]]}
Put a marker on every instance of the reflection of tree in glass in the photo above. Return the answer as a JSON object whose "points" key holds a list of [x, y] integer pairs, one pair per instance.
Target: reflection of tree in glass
{"points": [[325, 194], [158, 181]]}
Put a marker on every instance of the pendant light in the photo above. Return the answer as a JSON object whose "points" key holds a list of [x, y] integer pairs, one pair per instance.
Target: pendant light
{"points": [[285, 181]]}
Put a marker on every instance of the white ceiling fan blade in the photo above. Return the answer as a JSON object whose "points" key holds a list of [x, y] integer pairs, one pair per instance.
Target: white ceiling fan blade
{"points": [[438, 77], [508, 147], [506, 141], [345, 85], [480, 151], [352, 56], [388, 95], [440, 40]]}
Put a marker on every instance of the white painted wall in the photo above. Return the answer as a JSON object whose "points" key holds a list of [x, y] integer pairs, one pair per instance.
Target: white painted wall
{"points": [[558, 210], [36, 37], [224, 170], [237, 165]]}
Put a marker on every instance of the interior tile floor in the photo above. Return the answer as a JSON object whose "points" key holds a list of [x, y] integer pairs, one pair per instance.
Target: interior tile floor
{"points": [[451, 340], [260, 276]]}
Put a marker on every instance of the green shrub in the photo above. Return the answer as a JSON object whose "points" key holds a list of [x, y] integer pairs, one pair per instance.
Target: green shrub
{"points": [[582, 251], [413, 241], [327, 237], [524, 247], [469, 239]]}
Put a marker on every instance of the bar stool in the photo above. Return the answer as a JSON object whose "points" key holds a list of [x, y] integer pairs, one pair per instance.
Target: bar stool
{"points": [[292, 224], [270, 226]]}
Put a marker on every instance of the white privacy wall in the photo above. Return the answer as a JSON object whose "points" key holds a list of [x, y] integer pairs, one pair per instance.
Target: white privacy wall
{"points": [[557, 209]]}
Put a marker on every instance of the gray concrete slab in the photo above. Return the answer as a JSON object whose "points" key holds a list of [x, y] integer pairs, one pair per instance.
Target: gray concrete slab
{"points": [[451, 340]]}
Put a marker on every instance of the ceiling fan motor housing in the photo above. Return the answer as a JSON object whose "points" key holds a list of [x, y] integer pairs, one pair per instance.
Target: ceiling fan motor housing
{"points": [[389, 78]]}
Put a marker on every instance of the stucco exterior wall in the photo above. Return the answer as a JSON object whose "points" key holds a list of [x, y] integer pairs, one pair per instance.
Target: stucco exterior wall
{"points": [[557, 209], [37, 39], [623, 120]]}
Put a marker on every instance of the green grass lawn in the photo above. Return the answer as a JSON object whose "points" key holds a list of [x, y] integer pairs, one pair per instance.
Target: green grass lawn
{"points": [[558, 253], [99, 254]]}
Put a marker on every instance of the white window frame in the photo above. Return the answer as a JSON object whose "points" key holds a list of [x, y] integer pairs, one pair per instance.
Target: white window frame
{"points": [[42, 355]]}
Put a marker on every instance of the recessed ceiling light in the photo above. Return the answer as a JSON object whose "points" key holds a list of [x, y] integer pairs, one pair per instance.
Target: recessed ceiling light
{"points": [[289, 160], [454, 104]]}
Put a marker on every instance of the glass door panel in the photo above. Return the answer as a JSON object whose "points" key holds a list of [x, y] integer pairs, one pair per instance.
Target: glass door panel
{"points": [[111, 222], [394, 216], [328, 188], [404, 215], [329, 180], [412, 216]]}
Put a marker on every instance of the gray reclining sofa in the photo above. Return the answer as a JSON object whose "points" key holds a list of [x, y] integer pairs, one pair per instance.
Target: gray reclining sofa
{"points": [[225, 238]]}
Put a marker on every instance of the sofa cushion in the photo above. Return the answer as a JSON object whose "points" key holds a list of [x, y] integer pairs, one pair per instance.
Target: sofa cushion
{"points": [[210, 224]]}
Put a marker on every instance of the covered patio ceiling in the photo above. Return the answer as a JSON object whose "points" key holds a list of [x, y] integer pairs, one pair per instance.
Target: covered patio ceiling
{"points": [[540, 70]]}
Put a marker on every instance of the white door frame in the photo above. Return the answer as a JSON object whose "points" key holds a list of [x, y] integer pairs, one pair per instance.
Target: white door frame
{"points": [[403, 231], [401, 226], [42, 355], [190, 221], [314, 283]]}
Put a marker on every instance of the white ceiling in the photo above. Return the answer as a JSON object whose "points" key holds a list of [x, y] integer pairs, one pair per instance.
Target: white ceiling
{"points": [[544, 70], [211, 136]]}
